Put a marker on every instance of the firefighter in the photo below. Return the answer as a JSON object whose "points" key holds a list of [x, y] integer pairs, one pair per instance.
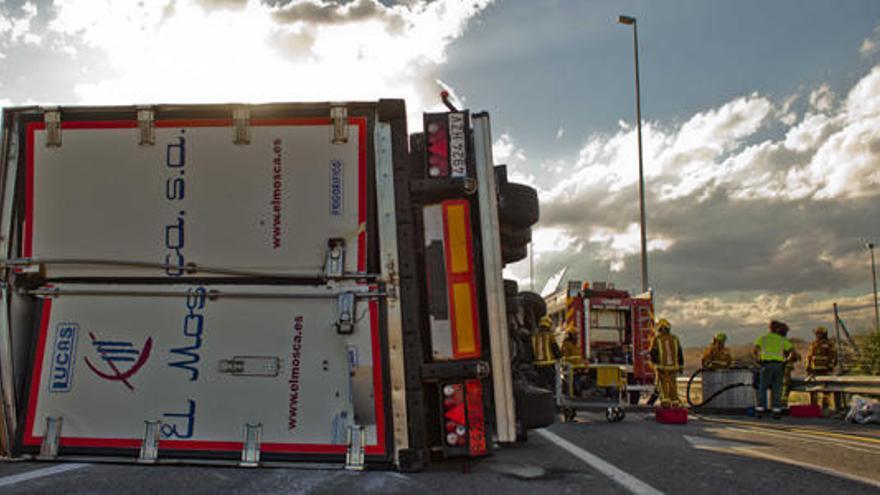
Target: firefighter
{"points": [[668, 361], [771, 351], [543, 347], [571, 351], [792, 358], [821, 360], [716, 356]]}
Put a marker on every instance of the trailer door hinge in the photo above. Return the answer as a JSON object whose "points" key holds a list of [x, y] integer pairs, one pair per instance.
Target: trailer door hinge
{"points": [[52, 119], [334, 262], [345, 313], [51, 439], [146, 126], [241, 122], [150, 443], [354, 456], [339, 129], [250, 449]]}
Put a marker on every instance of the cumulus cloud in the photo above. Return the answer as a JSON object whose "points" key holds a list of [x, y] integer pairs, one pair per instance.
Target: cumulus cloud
{"points": [[246, 50], [734, 205], [745, 316], [870, 44]]}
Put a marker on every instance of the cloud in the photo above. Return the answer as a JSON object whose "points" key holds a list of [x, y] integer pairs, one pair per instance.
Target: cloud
{"points": [[245, 50], [746, 198], [871, 43], [698, 318]]}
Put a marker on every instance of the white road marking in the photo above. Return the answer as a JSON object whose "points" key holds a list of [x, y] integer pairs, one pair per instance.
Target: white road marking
{"points": [[39, 473], [616, 474]]}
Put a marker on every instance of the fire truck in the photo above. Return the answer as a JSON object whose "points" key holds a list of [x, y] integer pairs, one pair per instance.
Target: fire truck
{"points": [[609, 328], [258, 284]]}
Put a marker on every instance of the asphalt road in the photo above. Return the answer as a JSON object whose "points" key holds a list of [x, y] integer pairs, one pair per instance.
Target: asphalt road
{"points": [[712, 455]]}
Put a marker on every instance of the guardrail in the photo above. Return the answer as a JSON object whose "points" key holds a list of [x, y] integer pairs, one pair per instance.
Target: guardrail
{"points": [[848, 384]]}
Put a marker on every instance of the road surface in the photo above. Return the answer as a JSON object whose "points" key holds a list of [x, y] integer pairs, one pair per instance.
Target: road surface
{"points": [[708, 455]]}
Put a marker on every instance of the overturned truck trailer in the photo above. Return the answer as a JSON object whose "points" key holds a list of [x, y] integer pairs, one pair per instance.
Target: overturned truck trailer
{"points": [[253, 283]]}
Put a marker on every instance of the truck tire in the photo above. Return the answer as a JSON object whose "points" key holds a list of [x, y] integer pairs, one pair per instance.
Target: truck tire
{"points": [[534, 303], [510, 288], [515, 237], [518, 205], [512, 254], [535, 406]]}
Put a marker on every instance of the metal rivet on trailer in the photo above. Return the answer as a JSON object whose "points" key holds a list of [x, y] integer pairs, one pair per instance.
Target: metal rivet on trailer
{"points": [[150, 443], [345, 313], [334, 262], [52, 119], [51, 439], [241, 123], [146, 126], [250, 450], [339, 129], [354, 456]]}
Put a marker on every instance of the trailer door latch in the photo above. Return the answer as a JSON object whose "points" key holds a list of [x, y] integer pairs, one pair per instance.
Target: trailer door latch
{"points": [[250, 449], [52, 119], [51, 440], [150, 444], [345, 313], [334, 263], [339, 130], [354, 456], [146, 126], [241, 122]]}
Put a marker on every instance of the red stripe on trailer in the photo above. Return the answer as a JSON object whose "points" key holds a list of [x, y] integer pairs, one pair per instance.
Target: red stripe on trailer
{"points": [[29, 438], [31, 128]]}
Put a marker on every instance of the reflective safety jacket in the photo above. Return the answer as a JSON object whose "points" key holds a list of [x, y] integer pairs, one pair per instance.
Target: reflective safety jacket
{"points": [[571, 351], [773, 347], [822, 356], [666, 354], [717, 358]]}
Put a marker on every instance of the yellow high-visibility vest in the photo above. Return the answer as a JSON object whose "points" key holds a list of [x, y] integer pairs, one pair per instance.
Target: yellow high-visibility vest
{"points": [[772, 347]]}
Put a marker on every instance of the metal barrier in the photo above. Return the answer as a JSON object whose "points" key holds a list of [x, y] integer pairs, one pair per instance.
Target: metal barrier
{"points": [[848, 384]]}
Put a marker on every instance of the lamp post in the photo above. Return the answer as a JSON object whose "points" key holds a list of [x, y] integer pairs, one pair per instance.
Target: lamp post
{"points": [[870, 246], [631, 21]]}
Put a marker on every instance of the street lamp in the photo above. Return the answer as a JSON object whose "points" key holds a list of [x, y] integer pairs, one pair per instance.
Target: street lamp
{"points": [[631, 21], [870, 246]]}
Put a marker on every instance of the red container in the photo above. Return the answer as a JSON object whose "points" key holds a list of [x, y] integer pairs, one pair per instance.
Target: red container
{"points": [[805, 411], [671, 415]]}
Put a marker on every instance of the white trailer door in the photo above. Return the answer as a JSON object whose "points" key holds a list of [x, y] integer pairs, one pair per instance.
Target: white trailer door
{"points": [[195, 197], [205, 361]]}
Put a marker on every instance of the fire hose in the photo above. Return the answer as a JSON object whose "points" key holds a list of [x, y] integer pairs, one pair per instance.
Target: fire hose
{"points": [[718, 392]]}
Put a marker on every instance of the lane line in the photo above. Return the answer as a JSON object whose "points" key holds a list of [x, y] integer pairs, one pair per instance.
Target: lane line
{"points": [[40, 473], [796, 429], [616, 474]]}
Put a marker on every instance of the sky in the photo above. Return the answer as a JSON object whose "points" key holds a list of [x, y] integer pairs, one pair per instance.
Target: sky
{"points": [[760, 121]]}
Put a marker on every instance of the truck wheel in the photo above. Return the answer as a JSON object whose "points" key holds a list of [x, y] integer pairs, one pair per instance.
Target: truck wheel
{"points": [[510, 288], [535, 406], [518, 205], [512, 254], [516, 237], [533, 302]]}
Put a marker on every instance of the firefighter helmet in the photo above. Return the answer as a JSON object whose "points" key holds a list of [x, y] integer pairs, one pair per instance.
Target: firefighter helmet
{"points": [[663, 325], [721, 337], [821, 332], [545, 322]]}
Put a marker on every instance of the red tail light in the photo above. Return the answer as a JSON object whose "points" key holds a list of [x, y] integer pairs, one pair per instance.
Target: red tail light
{"points": [[454, 413], [438, 145], [476, 421]]}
